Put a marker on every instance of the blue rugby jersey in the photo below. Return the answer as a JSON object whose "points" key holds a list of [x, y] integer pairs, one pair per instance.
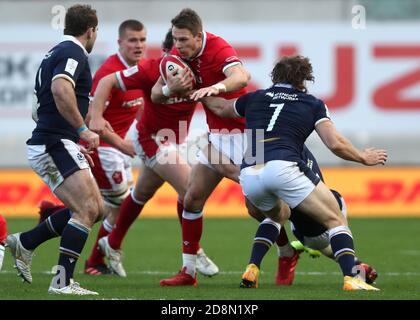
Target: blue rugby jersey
{"points": [[280, 119], [69, 60]]}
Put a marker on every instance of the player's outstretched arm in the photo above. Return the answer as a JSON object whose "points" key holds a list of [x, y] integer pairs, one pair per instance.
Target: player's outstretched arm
{"points": [[221, 107], [97, 122], [66, 102], [344, 149], [237, 77]]}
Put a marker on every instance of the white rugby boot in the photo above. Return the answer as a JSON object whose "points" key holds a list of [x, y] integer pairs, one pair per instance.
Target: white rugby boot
{"points": [[205, 265], [22, 256], [73, 288], [114, 257]]}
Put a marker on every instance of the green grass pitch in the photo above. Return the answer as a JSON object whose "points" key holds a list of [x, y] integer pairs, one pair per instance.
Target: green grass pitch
{"points": [[153, 251]]}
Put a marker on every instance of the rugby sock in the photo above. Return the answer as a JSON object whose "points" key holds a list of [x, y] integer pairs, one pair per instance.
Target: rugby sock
{"points": [[343, 249], [180, 210], [3, 230], [72, 242], [266, 235], [96, 256], [192, 228], [129, 211], [50, 228], [284, 249]]}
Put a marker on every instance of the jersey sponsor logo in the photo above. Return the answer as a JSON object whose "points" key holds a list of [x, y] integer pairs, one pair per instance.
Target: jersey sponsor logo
{"points": [[133, 103], [130, 71], [71, 66], [117, 177], [283, 96]]}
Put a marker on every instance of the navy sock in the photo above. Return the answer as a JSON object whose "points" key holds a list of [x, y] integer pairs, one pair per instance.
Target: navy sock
{"points": [[72, 242], [266, 235], [50, 228], [343, 249]]}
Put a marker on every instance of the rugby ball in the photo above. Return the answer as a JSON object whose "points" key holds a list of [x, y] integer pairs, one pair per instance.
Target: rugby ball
{"points": [[169, 63]]}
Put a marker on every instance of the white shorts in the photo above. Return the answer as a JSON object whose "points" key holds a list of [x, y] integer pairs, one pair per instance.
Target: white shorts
{"points": [[233, 146], [113, 173], [264, 185], [56, 161]]}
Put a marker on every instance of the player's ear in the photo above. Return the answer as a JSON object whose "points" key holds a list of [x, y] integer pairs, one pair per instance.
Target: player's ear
{"points": [[91, 32], [200, 35]]}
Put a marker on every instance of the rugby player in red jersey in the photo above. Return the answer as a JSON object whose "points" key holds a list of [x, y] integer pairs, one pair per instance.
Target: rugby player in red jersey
{"points": [[157, 136], [218, 71]]}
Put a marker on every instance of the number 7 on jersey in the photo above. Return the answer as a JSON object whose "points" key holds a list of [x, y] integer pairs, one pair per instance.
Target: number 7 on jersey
{"points": [[276, 113]]}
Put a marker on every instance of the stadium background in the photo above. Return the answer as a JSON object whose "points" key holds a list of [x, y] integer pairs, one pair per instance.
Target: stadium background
{"points": [[366, 71]]}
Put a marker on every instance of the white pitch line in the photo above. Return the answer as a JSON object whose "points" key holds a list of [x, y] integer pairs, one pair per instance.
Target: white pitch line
{"points": [[321, 274]]}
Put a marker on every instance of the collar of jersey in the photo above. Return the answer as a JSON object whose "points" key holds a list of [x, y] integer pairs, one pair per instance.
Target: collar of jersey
{"points": [[123, 60], [203, 46], [283, 85], [74, 39]]}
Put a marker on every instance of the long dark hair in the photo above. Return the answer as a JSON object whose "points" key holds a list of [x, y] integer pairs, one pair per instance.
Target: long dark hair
{"points": [[294, 70]]}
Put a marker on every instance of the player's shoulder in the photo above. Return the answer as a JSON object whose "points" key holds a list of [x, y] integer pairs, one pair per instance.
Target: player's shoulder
{"points": [[110, 65], [311, 99], [69, 49], [149, 64], [215, 44], [213, 40]]}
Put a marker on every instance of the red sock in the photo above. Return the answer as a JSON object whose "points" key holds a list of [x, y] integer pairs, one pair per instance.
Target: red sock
{"points": [[282, 239], [129, 211], [96, 256], [3, 230], [191, 232]]}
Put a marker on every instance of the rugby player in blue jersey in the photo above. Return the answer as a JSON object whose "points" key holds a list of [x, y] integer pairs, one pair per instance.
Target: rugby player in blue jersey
{"points": [[62, 86], [280, 118]]}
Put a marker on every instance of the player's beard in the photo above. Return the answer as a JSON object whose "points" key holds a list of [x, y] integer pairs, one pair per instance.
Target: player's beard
{"points": [[89, 46]]}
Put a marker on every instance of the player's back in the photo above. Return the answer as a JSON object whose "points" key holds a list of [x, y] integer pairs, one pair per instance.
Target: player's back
{"points": [[280, 119], [66, 60]]}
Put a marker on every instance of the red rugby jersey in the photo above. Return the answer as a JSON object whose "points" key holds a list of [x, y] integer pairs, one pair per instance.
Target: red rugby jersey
{"points": [[156, 117], [122, 107], [215, 56]]}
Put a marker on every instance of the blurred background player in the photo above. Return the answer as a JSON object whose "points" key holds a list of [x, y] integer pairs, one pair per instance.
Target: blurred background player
{"points": [[287, 116], [112, 169], [157, 136], [3, 236], [218, 70], [62, 86]]}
